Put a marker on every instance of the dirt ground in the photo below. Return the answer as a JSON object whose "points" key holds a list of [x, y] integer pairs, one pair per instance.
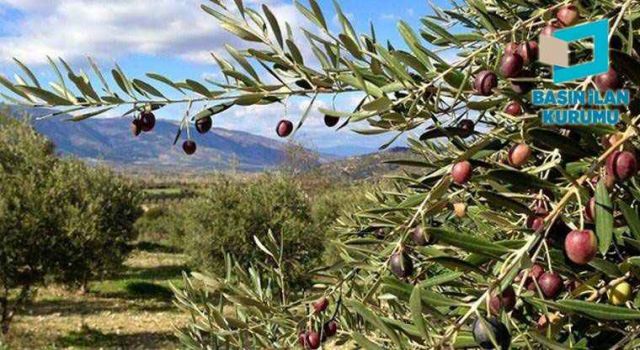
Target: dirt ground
{"points": [[130, 311]]}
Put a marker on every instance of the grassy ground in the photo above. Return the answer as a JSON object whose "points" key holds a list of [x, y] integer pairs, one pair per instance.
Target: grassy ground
{"points": [[130, 311]]}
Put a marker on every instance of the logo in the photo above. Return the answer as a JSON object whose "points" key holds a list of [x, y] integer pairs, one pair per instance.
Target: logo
{"points": [[578, 107], [554, 51]]}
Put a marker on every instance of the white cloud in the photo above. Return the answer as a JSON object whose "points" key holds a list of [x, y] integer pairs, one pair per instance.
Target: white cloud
{"points": [[115, 28]]}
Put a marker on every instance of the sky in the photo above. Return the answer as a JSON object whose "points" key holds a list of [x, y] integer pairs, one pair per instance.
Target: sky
{"points": [[175, 38]]}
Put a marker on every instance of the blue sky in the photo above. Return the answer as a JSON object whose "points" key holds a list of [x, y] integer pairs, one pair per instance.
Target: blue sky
{"points": [[174, 37]]}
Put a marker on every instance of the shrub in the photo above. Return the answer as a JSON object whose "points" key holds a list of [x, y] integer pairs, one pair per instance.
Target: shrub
{"points": [[29, 214], [100, 209], [58, 218], [228, 216], [162, 223]]}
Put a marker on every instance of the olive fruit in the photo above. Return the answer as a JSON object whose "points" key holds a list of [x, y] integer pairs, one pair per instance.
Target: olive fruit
{"points": [[487, 332], [514, 108], [590, 209], [401, 264], [519, 154], [503, 301], [621, 165], [313, 340], [331, 121], [203, 125], [302, 339], [511, 48], [460, 209], [466, 126], [511, 65], [550, 284], [147, 121], [536, 223], [284, 128], [330, 328], [608, 81], [461, 172], [485, 82], [620, 293], [136, 127], [419, 237], [529, 51], [581, 246], [534, 273], [568, 15], [320, 305], [549, 29], [189, 147]]}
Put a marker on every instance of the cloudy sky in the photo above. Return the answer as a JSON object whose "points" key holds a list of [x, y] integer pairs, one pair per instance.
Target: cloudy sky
{"points": [[175, 37]]}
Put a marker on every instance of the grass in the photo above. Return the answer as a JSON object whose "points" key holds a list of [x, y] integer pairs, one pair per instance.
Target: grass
{"points": [[133, 310]]}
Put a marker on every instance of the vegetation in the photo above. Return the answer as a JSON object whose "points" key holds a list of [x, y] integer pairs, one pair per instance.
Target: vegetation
{"points": [[131, 309], [60, 219], [98, 213], [413, 273]]}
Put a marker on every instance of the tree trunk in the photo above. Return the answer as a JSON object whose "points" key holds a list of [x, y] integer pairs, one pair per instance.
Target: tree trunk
{"points": [[4, 305]]}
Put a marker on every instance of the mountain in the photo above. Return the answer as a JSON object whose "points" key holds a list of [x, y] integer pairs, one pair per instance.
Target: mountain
{"points": [[109, 140]]}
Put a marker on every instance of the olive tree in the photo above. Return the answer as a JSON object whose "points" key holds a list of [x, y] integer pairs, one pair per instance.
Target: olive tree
{"points": [[28, 214], [513, 233], [99, 211]]}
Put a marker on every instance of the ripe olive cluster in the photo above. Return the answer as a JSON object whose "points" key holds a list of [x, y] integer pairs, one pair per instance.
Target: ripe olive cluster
{"points": [[312, 339], [146, 121]]}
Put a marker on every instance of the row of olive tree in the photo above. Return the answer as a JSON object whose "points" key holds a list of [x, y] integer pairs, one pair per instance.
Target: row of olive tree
{"points": [[59, 219]]}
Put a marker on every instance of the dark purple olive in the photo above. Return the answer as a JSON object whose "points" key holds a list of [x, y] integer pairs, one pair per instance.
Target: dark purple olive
{"points": [[189, 147], [203, 125], [284, 128], [401, 264], [514, 108], [331, 121], [485, 82], [568, 15], [313, 340], [330, 328], [608, 81], [419, 237], [511, 65], [511, 48], [528, 51], [550, 284], [148, 121], [622, 165], [503, 301], [320, 305], [488, 331], [136, 127], [466, 126]]}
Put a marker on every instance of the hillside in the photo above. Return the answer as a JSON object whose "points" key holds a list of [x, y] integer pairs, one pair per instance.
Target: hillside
{"points": [[109, 141]]}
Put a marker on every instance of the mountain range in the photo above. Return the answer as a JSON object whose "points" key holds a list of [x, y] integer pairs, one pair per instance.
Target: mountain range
{"points": [[109, 141]]}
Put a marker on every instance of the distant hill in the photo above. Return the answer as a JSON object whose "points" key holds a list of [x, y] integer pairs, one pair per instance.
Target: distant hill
{"points": [[109, 140]]}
